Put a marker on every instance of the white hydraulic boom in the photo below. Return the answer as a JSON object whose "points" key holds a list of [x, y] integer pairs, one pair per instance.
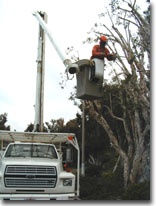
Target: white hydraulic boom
{"points": [[67, 62]]}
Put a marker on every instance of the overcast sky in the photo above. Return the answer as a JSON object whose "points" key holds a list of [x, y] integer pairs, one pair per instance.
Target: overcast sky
{"points": [[69, 21]]}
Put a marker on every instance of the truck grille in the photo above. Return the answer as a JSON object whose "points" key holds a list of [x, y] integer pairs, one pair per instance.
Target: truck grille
{"points": [[30, 170], [30, 176]]}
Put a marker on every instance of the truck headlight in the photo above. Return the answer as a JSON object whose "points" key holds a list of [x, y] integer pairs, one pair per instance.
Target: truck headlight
{"points": [[67, 182]]}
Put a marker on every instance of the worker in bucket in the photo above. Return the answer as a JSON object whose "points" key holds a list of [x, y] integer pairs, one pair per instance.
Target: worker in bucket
{"points": [[100, 51]]}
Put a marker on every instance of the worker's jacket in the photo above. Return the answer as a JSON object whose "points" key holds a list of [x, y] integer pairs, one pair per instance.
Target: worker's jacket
{"points": [[100, 53]]}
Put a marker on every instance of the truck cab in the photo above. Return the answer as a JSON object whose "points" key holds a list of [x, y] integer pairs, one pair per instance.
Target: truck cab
{"points": [[32, 167]]}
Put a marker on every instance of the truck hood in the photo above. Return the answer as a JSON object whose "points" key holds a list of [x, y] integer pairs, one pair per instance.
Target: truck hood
{"points": [[31, 161]]}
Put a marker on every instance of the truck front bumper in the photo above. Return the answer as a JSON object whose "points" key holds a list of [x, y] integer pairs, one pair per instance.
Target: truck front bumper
{"points": [[37, 196]]}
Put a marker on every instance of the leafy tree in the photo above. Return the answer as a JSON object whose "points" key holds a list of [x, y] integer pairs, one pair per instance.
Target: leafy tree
{"points": [[30, 128], [126, 102], [56, 125], [3, 120]]}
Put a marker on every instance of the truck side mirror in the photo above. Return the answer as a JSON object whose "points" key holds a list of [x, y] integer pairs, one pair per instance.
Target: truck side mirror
{"points": [[69, 155], [1, 154]]}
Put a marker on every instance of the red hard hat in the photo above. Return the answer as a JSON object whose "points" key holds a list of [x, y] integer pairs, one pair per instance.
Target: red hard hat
{"points": [[103, 38]]}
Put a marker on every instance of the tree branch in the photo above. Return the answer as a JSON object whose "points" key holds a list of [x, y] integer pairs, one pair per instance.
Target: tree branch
{"points": [[112, 115]]}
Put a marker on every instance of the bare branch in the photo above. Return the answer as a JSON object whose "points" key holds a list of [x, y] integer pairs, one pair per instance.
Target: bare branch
{"points": [[112, 115], [116, 165], [128, 21]]}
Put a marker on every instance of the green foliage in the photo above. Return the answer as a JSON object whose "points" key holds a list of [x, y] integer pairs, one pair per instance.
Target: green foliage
{"points": [[110, 187], [100, 183], [3, 120], [94, 171], [139, 191], [106, 187], [147, 12], [56, 125], [29, 128]]}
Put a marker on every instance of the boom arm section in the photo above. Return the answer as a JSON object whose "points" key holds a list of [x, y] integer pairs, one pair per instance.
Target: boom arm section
{"points": [[67, 62]]}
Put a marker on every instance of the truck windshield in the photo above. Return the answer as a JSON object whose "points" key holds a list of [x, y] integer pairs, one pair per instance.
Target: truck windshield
{"points": [[31, 150]]}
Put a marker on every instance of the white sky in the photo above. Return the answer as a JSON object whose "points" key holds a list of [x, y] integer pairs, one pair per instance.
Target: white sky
{"points": [[69, 21]]}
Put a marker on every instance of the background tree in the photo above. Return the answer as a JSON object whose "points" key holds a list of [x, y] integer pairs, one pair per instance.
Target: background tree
{"points": [[3, 120], [56, 125]]}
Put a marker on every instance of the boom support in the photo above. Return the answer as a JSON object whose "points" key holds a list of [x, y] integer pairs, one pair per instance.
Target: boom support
{"points": [[38, 123]]}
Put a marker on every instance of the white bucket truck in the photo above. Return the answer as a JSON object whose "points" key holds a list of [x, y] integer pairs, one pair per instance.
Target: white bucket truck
{"points": [[32, 166]]}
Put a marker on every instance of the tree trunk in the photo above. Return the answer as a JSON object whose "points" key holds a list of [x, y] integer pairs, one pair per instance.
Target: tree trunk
{"points": [[140, 170], [113, 140]]}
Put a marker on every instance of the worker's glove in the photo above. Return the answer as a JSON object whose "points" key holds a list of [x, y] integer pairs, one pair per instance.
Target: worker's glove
{"points": [[111, 57]]}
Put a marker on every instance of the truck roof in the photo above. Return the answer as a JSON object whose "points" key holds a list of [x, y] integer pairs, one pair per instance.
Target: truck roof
{"points": [[36, 137]]}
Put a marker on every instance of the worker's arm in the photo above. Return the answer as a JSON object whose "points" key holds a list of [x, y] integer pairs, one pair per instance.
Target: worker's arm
{"points": [[109, 56]]}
